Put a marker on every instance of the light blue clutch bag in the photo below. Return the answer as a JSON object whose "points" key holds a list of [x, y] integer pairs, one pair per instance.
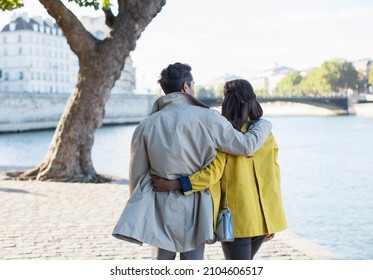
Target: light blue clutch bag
{"points": [[224, 226]]}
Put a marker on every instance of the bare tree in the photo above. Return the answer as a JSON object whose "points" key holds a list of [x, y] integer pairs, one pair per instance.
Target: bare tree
{"points": [[100, 65]]}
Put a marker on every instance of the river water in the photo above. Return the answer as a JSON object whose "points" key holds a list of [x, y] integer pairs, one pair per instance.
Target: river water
{"points": [[326, 167]]}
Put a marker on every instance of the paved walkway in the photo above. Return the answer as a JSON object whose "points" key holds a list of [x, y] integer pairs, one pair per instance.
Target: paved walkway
{"points": [[48, 220]]}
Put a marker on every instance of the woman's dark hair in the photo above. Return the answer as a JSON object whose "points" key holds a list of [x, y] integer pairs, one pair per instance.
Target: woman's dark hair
{"points": [[240, 106], [173, 77]]}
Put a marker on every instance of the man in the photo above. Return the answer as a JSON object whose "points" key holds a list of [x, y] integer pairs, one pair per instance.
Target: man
{"points": [[182, 135]]}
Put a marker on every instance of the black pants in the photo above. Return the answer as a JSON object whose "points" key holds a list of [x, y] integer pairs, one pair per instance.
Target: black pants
{"points": [[242, 248]]}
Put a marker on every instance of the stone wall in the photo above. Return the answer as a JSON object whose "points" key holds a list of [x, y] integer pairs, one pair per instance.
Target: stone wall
{"points": [[26, 111]]}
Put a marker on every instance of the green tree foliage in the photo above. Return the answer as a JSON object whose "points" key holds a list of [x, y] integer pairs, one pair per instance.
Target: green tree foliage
{"points": [[209, 92], [370, 76], [339, 75], [290, 85], [262, 92], [315, 83], [203, 92], [219, 91], [332, 77], [9, 5], [92, 3]]}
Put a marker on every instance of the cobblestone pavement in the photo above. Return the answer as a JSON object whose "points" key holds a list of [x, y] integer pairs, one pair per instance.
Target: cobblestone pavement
{"points": [[48, 220]]}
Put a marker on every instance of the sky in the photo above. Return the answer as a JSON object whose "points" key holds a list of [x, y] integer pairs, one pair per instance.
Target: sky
{"points": [[243, 37]]}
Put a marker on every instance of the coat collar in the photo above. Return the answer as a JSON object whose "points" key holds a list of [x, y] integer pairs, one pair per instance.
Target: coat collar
{"points": [[176, 99]]}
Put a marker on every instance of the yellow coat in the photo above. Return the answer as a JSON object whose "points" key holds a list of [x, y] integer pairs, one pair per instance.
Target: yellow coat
{"points": [[254, 195]]}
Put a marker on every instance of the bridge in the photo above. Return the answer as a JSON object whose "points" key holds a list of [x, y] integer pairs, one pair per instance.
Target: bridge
{"points": [[339, 105]]}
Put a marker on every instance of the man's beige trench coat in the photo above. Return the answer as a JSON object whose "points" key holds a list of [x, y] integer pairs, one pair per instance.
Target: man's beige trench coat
{"points": [[180, 137]]}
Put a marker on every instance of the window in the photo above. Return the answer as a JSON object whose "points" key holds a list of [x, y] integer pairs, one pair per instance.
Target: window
{"points": [[12, 26], [6, 76], [21, 75], [19, 38]]}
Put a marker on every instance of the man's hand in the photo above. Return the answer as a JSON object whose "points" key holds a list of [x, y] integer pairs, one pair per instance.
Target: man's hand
{"points": [[163, 185]]}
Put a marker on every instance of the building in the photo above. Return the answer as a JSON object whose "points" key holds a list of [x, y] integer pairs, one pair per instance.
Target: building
{"points": [[268, 79], [219, 82], [35, 58], [363, 67]]}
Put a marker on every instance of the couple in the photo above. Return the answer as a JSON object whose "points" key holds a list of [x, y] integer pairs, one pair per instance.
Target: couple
{"points": [[183, 136]]}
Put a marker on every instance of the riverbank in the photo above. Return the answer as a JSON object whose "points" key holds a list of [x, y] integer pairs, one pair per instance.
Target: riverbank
{"points": [[297, 109], [25, 112], [31, 111], [364, 109], [72, 221]]}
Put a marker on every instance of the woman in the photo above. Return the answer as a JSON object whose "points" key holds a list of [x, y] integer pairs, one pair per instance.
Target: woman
{"points": [[253, 183]]}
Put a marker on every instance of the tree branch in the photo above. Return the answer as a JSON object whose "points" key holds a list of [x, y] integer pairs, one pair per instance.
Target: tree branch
{"points": [[121, 6], [109, 17], [133, 17], [70, 25]]}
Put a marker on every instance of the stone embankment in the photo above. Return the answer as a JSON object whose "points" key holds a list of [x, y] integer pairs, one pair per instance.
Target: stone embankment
{"points": [[27, 111], [30, 111]]}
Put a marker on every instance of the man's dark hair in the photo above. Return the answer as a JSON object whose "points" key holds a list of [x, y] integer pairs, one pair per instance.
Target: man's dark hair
{"points": [[173, 77]]}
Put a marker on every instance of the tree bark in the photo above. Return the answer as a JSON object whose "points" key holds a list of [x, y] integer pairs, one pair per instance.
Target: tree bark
{"points": [[101, 63]]}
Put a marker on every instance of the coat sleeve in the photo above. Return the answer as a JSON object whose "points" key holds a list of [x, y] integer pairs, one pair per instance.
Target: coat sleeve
{"points": [[232, 141], [208, 176], [139, 160]]}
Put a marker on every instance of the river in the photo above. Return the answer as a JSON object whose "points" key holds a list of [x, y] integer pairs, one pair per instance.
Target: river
{"points": [[326, 167]]}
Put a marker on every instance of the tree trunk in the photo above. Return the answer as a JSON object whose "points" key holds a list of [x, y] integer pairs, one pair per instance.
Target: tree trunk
{"points": [[69, 155], [101, 63]]}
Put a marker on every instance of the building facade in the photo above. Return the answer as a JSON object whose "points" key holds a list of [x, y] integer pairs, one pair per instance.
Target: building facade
{"points": [[267, 80], [363, 67], [35, 58]]}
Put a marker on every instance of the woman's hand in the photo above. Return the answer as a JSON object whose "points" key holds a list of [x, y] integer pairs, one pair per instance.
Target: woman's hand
{"points": [[163, 185], [269, 237]]}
